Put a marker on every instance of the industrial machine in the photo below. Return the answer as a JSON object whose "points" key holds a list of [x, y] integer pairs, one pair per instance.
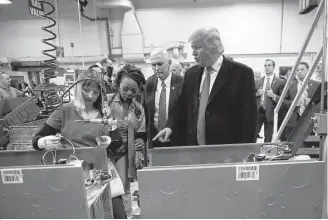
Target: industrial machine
{"points": [[74, 186], [231, 181]]}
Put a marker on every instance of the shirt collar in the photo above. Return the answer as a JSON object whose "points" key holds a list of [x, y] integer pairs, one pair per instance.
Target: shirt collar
{"points": [[270, 77], [216, 66]]}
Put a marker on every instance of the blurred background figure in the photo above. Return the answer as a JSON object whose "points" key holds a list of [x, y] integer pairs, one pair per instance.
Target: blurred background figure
{"points": [[257, 75], [185, 68], [6, 91], [176, 68], [318, 73], [107, 69]]}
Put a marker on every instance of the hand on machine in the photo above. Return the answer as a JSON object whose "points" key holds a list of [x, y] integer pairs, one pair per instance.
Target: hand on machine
{"points": [[51, 142], [163, 136], [103, 141]]}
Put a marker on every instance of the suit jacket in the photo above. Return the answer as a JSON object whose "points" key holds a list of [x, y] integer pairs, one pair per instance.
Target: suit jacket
{"points": [[290, 96], [277, 87], [230, 112], [149, 103]]}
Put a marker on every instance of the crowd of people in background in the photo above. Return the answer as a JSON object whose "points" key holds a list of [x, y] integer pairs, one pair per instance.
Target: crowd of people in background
{"points": [[269, 88]]}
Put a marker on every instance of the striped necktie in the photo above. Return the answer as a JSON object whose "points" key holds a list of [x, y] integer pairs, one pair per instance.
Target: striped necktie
{"points": [[162, 108]]}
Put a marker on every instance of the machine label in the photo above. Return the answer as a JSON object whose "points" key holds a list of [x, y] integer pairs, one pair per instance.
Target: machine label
{"points": [[247, 172], [11, 176]]}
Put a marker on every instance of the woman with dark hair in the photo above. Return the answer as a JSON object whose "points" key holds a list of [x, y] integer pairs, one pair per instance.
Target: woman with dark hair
{"points": [[87, 104], [131, 118]]}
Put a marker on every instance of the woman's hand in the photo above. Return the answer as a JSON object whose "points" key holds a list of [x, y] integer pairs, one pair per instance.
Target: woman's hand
{"points": [[50, 142], [139, 144], [103, 141]]}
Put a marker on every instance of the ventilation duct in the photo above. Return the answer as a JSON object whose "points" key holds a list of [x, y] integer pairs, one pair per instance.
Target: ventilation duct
{"points": [[131, 41]]}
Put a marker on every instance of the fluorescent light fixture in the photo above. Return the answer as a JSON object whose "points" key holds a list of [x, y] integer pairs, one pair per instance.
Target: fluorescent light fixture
{"points": [[5, 2]]}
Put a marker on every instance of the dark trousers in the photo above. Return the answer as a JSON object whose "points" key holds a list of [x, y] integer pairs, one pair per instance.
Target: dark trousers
{"points": [[118, 208], [268, 126]]}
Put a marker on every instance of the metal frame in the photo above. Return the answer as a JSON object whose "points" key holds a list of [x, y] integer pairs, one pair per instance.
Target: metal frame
{"points": [[322, 9], [276, 133], [297, 98]]}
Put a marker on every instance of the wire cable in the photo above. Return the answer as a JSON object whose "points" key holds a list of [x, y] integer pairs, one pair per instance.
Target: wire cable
{"points": [[81, 37], [59, 28], [53, 157], [69, 143]]}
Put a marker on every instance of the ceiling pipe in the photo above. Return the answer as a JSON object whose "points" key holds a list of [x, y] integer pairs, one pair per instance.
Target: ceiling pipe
{"points": [[84, 4]]}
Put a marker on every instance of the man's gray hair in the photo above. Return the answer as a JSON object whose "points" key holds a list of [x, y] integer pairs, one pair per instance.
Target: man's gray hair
{"points": [[209, 38], [159, 52], [1, 73]]}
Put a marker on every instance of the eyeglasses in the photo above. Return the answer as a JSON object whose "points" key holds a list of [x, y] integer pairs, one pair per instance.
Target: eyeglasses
{"points": [[88, 90], [301, 69]]}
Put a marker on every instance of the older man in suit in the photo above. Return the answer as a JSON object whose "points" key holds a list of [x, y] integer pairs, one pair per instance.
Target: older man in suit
{"points": [[217, 104], [161, 91], [268, 90]]}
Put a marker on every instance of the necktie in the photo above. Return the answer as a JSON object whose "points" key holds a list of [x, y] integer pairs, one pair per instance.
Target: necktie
{"points": [[265, 97], [162, 108], [205, 93], [303, 100]]}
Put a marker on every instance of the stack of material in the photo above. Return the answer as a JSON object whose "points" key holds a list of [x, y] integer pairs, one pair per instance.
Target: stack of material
{"points": [[17, 112], [25, 112], [20, 136]]}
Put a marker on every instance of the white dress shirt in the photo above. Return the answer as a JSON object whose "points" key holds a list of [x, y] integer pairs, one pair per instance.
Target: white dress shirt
{"points": [[167, 82], [214, 73]]}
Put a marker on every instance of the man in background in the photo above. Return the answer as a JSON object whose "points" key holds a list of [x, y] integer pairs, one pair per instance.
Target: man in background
{"points": [[161, 91], [268, 90], [217, 104], [304, 100], [6, 91], [185, 68], [176, 69], [257, 75], [107, 69], [318, 74]]}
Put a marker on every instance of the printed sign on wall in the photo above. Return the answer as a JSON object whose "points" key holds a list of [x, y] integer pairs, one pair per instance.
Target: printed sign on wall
{"points": [[36, 8]]}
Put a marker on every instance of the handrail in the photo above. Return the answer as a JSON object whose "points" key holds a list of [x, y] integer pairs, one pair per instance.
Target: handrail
{"points": [[299, 94], [293, 72]]}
